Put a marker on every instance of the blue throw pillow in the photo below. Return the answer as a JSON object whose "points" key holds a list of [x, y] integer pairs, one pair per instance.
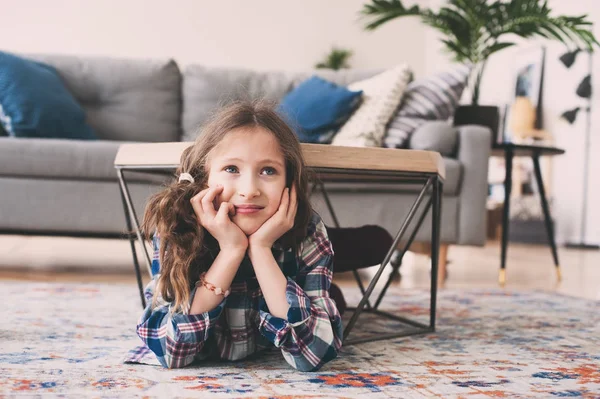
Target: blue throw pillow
{"points": [[34, 102], [317, 108]]}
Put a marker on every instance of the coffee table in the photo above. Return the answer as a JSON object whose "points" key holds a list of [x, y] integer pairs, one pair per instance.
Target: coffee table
{"points": [[330, 164]]}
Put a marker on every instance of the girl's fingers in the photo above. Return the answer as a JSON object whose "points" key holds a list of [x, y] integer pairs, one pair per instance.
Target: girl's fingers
{"points": [[196, 200], [224, 209], [198, 197], [293, 202], [207, 200], [285, 201]]}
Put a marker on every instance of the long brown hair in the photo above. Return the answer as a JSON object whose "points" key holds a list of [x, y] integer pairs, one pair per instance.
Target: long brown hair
{"points": [[185, 246]]}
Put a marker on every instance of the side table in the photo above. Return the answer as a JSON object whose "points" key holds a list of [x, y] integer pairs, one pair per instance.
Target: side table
{"points": [[509, 151]]}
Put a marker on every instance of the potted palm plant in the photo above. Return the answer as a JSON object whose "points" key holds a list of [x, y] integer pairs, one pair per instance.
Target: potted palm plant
{"points": [[473, 30], [336, 59]]}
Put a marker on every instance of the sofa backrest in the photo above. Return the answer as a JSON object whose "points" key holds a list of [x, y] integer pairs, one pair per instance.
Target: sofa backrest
{"points": [[207, 88], [125, 100]]}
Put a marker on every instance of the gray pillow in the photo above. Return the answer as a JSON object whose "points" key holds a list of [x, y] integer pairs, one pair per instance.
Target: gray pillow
{"points": [[436, 136]]}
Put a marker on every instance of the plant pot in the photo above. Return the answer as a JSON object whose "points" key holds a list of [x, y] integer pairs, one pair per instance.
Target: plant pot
{"points": [[485, 115]]}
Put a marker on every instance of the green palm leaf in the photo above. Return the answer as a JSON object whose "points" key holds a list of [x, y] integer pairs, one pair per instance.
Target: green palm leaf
{"points": [[472, 29], [386, 10]]}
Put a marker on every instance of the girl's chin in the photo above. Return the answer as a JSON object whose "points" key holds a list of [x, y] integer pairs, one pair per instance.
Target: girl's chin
{"points": [[249, 224], [247, 228]]}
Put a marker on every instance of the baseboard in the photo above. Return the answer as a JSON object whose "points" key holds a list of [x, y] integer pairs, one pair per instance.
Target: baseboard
{"points": [[572, 241]]}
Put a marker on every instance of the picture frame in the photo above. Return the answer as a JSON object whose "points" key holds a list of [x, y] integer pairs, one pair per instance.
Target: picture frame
{"points": [[523, 114]]}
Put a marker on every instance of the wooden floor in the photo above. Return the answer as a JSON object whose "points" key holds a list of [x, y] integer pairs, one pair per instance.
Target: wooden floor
{"points": [[529, 267]]}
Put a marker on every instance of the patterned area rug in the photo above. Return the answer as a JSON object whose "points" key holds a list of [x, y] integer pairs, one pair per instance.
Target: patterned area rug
{"points": [[69, 339]]}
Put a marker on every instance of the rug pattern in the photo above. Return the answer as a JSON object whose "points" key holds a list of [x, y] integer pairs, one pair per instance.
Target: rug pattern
{"points": [[69, 339]]}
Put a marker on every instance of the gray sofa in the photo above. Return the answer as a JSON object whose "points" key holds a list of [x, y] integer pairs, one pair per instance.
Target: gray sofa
{"points": [[69, 187]]}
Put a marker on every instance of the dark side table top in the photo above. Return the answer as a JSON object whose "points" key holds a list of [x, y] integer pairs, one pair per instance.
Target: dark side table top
{"points": [[525, 150]]}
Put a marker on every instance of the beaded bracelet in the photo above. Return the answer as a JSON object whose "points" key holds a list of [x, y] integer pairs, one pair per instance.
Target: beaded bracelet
{"points": [[211, 287]]}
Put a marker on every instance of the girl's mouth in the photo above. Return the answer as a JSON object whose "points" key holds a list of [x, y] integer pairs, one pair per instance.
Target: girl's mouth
{"points": [[247, 209]]}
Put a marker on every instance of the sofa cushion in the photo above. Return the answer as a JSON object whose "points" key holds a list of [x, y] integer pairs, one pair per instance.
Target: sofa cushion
{"points": [[34, 102], [207, 88], [128, 100], [64, 159], [317, 108], [41, 205], [452, 183]]}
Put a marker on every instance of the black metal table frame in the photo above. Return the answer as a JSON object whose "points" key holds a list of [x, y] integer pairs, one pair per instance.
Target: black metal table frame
{"points": [[535, 152], [432, 183]]}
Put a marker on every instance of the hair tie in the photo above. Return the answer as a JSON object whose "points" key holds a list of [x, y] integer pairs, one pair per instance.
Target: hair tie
{"points": [[186, 177]]}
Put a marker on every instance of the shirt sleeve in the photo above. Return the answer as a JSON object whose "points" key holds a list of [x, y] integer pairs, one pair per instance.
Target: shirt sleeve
{"points": [[312, 334], [174, 337]]}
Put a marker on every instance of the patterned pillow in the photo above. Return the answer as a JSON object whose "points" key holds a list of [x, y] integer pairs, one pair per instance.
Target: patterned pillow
{"points": [[381, 95], [432, 98]]}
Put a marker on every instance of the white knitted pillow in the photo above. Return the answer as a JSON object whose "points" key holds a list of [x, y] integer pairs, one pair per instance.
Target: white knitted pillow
{"points": [[381, 95]]}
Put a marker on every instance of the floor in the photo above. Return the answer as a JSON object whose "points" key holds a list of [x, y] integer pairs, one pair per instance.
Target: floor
{"points": [[529, 267]]}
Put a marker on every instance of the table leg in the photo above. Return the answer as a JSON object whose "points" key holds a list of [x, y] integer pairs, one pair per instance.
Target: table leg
{"points": [[361, 306], [396, 266], [136, 263], [132, 219], [546, 210], [336, 223], [508, 159], [436, 216]]}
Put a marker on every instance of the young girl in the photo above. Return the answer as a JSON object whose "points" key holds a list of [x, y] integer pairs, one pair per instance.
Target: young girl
{"points": [[241, 261]]}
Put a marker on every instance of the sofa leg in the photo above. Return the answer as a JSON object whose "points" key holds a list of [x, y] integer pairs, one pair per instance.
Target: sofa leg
{"points": [[443, 261], [424, 248]]}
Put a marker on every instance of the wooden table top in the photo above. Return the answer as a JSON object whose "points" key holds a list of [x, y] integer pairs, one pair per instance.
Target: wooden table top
{"points": [[320, 157]]}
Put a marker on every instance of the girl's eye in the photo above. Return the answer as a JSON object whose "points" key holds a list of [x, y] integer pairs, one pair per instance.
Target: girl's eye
{"points": [[269, 171], [231, 169]]}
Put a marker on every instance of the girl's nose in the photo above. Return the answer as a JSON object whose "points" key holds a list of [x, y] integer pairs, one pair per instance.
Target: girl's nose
{"points": [[248, 188]]}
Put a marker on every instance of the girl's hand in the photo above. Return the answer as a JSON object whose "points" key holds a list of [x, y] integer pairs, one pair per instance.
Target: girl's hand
{"points": [[278, 224], [218, 223]]}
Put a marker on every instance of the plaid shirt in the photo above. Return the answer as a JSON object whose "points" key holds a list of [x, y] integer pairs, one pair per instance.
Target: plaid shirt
{"points": [[242, 325]]}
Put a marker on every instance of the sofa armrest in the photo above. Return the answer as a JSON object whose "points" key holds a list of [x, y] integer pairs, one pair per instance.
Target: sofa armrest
{"points": [[473, 152]]}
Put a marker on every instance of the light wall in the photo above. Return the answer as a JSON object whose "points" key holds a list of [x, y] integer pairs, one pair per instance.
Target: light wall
{"points": [[559, 95], [260, 34]]}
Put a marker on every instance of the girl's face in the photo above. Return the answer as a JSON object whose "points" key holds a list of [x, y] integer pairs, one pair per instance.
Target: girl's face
{"points": [[250, 166]]}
